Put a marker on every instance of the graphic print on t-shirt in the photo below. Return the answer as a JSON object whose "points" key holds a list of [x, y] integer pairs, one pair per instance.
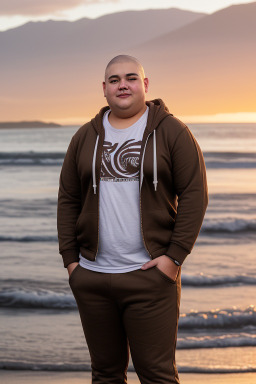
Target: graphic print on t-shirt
{"points": [[120, 163]]}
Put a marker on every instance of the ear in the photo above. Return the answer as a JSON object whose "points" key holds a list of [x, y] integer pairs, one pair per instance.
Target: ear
{"points": [[146, 84], [104, 88]]}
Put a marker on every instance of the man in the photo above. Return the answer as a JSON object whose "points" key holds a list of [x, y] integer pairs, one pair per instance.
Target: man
{"points": [[132, 197]]}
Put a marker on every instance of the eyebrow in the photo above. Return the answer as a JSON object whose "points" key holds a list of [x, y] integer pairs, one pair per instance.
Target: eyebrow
{"points": [[127, 75]]}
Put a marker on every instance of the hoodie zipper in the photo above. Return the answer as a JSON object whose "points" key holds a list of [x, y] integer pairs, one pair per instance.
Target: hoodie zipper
{"points": [[141, 211], [142, 232], [101, 150], [98, 223], [98, 197]]}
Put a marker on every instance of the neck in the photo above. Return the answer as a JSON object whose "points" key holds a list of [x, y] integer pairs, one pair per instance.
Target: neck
{"points": [[124, 122]]}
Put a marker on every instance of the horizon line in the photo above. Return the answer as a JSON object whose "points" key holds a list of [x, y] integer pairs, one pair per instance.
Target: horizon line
{"points": [[203, 119]]}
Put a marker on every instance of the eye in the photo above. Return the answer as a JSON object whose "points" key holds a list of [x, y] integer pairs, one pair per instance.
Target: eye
{"points": [[113, 81], [132, 78]]}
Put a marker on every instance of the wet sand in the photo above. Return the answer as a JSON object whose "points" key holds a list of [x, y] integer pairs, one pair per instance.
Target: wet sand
{"points": [[30, 377]]}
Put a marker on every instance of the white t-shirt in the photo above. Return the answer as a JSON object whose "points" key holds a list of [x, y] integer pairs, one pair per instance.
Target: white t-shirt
{"points": [[121, 247]]}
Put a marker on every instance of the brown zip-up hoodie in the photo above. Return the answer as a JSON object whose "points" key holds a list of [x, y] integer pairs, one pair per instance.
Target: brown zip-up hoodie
{"points": [[173, 188]]}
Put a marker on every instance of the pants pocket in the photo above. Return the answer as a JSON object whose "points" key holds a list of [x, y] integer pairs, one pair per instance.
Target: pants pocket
{"points": [[163, 275], [71, 276]]}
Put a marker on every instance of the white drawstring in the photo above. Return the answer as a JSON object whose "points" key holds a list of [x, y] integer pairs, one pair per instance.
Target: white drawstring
{"points": [[142, 161], [155, 161], [93, 166]]}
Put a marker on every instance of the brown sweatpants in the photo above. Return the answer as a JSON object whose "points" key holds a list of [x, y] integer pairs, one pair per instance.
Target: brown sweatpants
{"points": [[137, 310]]}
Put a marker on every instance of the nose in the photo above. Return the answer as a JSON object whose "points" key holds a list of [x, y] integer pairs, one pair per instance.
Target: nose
{"points": [[123, 84]]}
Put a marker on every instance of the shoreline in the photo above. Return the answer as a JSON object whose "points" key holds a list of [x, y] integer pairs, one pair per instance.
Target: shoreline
{"points": [[79, 125], [39, 377]]}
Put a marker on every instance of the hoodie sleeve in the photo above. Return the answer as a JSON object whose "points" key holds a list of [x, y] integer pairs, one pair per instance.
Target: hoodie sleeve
{"points": [[189, 175], [69, 207]]}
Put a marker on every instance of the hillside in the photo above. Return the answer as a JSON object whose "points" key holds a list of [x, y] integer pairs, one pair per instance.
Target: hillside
{"points": [[210, 64], [199, 64]]}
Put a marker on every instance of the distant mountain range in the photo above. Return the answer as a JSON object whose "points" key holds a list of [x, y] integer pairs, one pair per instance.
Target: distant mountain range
{"points": [[197, 63], [28, 124]]}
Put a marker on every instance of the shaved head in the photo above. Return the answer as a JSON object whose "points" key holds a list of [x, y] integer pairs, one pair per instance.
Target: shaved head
{"points": [[125, 59], [125, 88]]}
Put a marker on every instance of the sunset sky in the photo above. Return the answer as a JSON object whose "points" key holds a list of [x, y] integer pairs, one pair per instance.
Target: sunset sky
{"points": [[24, 100], [17, 12]]}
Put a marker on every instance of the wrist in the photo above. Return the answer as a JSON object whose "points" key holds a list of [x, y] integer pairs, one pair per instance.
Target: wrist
{"points": [[174, 261]]}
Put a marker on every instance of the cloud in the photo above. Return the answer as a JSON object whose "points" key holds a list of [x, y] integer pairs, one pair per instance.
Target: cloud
{"points": [[42, 7]]}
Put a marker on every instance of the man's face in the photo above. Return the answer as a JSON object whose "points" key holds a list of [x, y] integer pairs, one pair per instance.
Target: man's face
{"points": [[125, 88]]}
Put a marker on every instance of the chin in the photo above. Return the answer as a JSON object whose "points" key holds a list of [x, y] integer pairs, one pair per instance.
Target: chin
{"points": [[121, 106], [122, 112]]}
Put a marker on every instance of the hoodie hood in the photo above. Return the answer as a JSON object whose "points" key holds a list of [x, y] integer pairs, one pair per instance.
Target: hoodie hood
{"points": [[157, 112]]}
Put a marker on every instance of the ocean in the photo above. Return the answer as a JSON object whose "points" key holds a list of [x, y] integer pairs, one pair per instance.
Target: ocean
{"points": [[40, 327]]}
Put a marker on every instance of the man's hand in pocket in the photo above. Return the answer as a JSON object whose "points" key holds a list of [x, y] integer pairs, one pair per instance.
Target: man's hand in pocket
{"points": [[71, 267], [165, 264]]}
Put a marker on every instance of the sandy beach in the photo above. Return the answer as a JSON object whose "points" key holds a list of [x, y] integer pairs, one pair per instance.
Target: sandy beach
{"points": [[20, 377]]}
